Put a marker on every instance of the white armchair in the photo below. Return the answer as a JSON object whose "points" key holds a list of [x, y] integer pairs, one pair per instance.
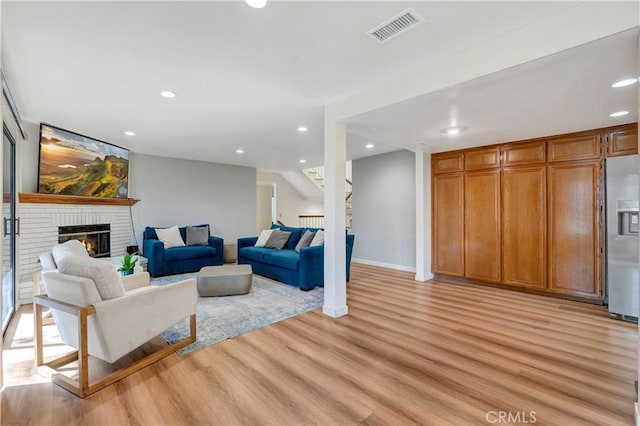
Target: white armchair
{"points": [[110, 328]]}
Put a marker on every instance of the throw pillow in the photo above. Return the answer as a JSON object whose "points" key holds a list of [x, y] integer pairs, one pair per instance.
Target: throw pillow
{"points": [[296, 233], [305, 240], [278, 239], [71, 247], [262, 239], [170, 237], [318, 239], [197, 235], [103, 273]]}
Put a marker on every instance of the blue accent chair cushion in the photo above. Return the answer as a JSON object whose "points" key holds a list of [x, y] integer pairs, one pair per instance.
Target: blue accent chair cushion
{"points": [[304, 270], [178, 260]]}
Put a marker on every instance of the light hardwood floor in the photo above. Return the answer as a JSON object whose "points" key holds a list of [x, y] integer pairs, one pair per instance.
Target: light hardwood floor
{"points": [[428, 353]]}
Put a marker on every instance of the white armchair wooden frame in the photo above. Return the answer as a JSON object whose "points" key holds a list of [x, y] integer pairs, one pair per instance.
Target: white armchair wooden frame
{"points": [[82, 387], [137, 300]]}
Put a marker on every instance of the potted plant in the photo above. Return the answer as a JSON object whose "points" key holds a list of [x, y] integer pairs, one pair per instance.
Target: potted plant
{"points": [[128, 263]]}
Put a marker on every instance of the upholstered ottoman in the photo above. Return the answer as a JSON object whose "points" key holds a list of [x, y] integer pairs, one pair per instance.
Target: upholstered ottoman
{"points": [[226, 280]]}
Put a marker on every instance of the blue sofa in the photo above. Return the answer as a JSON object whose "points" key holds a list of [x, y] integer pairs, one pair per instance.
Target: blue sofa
{"points": [[304, 269], [178, 260]]}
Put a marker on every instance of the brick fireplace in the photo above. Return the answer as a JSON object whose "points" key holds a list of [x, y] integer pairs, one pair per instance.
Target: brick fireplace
{"points": [[41, 223]]}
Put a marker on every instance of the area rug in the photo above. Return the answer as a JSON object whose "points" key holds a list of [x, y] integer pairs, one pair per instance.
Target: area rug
{"points": [[220, 318]]}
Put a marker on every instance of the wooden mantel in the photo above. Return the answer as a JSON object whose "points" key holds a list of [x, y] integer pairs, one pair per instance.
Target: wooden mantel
{"points": [[34, 198]]}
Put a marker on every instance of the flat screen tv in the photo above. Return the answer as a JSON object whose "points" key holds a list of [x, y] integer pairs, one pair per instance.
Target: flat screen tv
{"points": [[73, 164]]}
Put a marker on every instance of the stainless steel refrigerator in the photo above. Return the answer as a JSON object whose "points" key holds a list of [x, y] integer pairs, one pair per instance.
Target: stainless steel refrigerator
{"points": [[622, 236]]}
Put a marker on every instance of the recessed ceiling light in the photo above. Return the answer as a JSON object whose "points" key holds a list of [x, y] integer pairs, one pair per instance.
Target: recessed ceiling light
{"points": [[369, 146], [302, 129], [168, 94], [618, 114], [256, 4], [625, 82], [239, 151], [129, 133], [453, 130], [303, 161]]}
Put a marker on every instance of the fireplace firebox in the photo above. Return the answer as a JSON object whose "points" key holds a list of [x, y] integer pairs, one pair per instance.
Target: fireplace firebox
{"points": [[95, 238]]}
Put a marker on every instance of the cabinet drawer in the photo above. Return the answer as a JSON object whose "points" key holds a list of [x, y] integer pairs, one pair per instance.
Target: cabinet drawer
{"points": [[448, 162], [521, 154], [487, 158], [580, 147], [623, 142]]}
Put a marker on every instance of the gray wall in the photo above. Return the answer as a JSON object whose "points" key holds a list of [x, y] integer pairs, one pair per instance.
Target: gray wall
{"points": [[185, 192], [384, 208]]}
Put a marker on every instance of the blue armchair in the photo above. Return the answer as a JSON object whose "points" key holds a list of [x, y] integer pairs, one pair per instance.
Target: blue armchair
{"points": [[178, 260], [304, 269]]}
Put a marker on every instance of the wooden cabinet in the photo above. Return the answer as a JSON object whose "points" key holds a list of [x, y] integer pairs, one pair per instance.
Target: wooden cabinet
{"points": [[447, 162], [478, 159], [448, 224], [583, 146], [524, 226], [623, 141], [526, 153], [482, 225], [573, 204], [527, 214]]}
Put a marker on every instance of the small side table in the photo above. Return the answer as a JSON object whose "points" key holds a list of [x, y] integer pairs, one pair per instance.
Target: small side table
{"points": [[230, 253]]}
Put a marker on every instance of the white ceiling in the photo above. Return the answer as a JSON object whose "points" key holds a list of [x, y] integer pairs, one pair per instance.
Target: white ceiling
{"points": [[247, 78], [562, 93]]}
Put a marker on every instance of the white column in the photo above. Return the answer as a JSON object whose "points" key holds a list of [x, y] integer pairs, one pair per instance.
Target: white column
{"points": [[335, 155], [423, 217], [637, 408]]}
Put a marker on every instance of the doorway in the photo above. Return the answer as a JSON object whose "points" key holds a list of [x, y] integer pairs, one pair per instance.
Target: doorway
{"points": [[266, 205], [8, 228]]}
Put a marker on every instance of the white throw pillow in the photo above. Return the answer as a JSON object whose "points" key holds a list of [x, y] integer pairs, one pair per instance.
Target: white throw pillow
{"points": [[318, 239], [262, 239], [103, 273], [170, 237], [71, 247]]}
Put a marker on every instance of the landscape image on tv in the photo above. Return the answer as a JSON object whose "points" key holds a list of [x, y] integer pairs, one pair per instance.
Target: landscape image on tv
{"points": [[72, 164]]}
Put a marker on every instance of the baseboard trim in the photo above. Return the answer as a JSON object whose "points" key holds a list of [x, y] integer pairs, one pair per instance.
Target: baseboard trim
{"points": [[385, 265], [335, 312]]}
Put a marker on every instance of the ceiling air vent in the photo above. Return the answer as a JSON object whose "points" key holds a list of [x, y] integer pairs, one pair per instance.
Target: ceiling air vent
{"points": [[400, 23]]}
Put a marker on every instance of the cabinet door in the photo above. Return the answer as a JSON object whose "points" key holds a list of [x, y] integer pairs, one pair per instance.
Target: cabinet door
{"points": [[478, 159], [524, 226], [482, 225], [573, 148], [448, 224], [524, 153], [448, 162], [574, 229], [623, 141]]}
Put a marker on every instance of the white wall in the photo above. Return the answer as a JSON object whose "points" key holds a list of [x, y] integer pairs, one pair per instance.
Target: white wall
{"points": [[289, 203], [185, 192], [384, 210], [172, 191], [27, 159]]}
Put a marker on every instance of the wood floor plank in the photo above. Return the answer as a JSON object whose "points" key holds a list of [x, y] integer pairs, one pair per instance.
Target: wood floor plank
{"points": [[408, 353]]}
